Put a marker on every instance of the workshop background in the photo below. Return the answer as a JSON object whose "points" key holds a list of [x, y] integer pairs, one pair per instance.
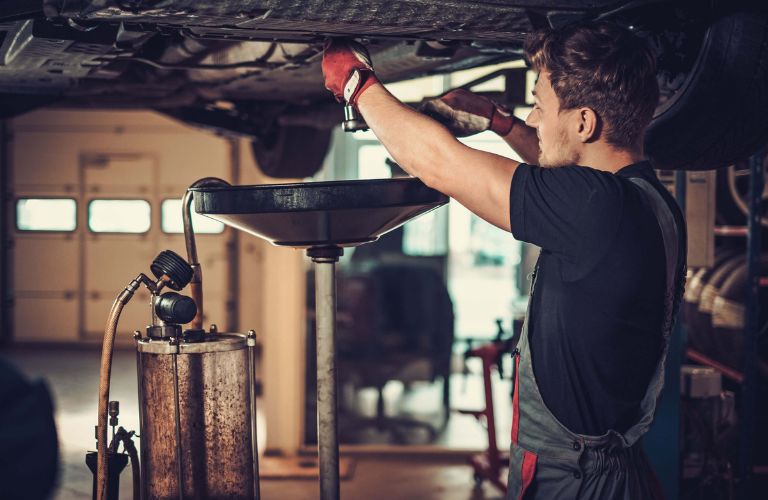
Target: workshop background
{"points": [[91, 196]]}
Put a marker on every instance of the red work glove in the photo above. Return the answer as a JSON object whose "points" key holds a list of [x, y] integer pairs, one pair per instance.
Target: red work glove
{"points": [[465, 113], [347, 69]]}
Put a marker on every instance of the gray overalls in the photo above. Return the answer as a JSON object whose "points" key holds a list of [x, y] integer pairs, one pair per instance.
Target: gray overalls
{"points": [[547, 460]]}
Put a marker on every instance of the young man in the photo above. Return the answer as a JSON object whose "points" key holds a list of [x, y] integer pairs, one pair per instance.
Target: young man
{"points": [[609, 277]]}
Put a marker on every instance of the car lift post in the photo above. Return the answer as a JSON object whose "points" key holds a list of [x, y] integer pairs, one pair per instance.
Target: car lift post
{"points": [[325, 259], [751, 324]]}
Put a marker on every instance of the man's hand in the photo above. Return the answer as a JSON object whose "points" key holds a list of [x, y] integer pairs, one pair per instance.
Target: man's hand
{"points": [[347, 69], [465, 113]]}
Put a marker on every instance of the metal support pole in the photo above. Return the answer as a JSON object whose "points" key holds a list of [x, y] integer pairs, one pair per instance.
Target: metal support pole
{"points": [[254, 428], [325, 259], [749, 388]]}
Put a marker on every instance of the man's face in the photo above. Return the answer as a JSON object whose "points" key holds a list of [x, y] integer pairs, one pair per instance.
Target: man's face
{"points": [[557, 148]]}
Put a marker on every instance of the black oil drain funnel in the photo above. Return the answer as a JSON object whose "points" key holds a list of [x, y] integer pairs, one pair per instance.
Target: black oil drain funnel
{"points": [[322, 217]]}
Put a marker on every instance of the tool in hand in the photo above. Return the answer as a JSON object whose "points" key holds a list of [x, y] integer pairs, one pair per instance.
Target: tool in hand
{"points": [[348, 72]]}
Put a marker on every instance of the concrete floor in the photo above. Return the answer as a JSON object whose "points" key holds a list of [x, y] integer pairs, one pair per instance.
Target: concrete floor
{"points": [[387, 478], [72, 376]]}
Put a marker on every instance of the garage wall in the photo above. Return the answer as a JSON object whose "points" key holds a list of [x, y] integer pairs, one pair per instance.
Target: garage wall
{"points": [[65, 281]]}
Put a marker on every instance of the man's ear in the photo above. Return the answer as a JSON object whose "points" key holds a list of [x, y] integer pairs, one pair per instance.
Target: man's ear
{"points": [[588, 125]]}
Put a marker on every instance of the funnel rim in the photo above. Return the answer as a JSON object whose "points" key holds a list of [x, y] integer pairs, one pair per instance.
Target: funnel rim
{"points": [[313, 196], [309, 185]]}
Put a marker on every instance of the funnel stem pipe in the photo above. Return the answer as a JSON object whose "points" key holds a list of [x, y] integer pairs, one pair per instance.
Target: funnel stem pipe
{"points": [[327, 431], [196, 284], [189, 234]]}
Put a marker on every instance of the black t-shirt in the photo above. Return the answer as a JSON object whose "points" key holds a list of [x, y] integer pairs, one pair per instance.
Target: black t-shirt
{"points": [[595, 320]]}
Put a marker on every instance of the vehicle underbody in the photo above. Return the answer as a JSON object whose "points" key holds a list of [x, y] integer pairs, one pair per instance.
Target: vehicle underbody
{"points": [[248, 66]]}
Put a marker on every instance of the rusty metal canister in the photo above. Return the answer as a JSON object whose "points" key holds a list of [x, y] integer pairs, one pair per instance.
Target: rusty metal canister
{"points": [[195, 412]]}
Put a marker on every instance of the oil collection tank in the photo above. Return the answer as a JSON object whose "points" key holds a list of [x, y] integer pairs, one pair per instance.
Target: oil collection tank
{"points": [[195, 418]]}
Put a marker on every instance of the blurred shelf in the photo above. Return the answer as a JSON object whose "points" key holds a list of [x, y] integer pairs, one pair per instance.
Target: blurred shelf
{"points": [[700, 358], [731, 231], [760, 469]]}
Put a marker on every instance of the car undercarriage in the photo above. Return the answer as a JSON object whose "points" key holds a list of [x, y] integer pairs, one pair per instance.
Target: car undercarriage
{"points": [[248, 67]]}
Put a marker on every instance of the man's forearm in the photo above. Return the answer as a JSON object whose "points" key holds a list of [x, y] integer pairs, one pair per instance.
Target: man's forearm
{"points": [[425, 149], [415, 141], [524, 141]]}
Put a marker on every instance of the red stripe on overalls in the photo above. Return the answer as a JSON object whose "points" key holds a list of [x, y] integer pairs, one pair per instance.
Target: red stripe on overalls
{"points": [[528, 467], [516, 402], [527, 471]]}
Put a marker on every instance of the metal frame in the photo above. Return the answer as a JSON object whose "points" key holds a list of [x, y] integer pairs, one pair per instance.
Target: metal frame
{"points": [[749, 376], [6, 265], [751, 330]]}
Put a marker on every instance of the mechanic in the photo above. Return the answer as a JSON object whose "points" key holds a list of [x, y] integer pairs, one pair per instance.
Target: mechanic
{"points": [[589, 365]]}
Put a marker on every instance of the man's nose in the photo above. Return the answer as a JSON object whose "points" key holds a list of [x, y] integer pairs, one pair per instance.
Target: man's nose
{"points": [[531, 120]]}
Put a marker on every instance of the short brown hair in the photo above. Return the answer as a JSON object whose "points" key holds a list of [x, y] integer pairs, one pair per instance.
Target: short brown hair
{"points": [[603, 66]]}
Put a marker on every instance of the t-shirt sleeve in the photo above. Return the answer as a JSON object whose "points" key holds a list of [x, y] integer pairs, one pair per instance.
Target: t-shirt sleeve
{"points": [[573, 212]]}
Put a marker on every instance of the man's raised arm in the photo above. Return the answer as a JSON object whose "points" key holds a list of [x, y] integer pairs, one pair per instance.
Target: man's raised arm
{"points": [[425, 149], [466, 113]]}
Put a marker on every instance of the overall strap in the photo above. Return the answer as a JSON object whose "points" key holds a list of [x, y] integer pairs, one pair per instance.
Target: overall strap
{"points": [[670, 236]]}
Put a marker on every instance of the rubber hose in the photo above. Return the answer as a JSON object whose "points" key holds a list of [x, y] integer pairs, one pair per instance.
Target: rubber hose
{"points": [[104, 377]]}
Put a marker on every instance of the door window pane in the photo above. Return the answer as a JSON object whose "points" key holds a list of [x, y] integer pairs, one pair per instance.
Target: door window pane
{"points": [[119, 216], [171, 221], [483, 262], [46, 214]]}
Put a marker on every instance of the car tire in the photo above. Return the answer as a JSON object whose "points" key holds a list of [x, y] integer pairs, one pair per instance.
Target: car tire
{"points": [[718, 115], [291, 152]]}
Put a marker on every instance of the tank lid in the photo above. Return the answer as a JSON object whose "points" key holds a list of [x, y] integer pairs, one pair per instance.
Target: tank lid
{"points": [[215, 343]]}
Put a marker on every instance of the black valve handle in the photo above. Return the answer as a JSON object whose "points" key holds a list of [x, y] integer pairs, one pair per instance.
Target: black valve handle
{"points": [[175, 309], [174, 266]]}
